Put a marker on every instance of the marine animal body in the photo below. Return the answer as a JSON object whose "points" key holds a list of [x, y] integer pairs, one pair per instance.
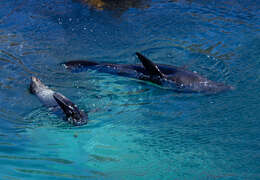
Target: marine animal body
{"points": [[56, 100], [176, 78]]}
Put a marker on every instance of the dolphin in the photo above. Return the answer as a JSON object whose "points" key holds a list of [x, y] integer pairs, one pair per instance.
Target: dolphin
{"points": [[176, 78], [55, 100]]}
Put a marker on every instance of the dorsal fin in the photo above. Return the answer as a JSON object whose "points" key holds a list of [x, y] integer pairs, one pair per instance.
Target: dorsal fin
{"points": [[151, 68]]}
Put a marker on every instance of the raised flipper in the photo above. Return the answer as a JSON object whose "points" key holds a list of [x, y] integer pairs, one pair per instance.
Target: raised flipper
{"points": [[73, 114], [150, 67]]}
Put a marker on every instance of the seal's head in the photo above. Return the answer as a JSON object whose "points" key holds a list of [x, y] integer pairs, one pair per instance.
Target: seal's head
{"points": [[73, 114], [36, 85]]}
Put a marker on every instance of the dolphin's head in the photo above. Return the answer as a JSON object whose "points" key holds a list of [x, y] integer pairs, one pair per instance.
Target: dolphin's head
{"points": [[36, 85], [221, 87], [73, 114]]}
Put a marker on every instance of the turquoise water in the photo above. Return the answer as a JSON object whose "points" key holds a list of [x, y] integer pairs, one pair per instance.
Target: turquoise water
{"points": [[136, 130]]}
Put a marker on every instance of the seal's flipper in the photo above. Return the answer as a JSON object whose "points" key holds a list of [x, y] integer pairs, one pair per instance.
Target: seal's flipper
{"points": [[74, 115], [151, 68], [65, 104]]}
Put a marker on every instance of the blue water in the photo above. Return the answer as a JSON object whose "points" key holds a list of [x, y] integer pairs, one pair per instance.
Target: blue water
{"points": [[136, 130]]}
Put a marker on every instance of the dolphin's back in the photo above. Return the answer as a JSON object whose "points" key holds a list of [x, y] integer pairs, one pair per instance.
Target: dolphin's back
{"points": [[166, 69], [178, 77], [85, 64]]}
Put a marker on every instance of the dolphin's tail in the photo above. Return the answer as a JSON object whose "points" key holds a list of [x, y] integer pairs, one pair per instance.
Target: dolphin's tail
{"points": [[78, 64]]}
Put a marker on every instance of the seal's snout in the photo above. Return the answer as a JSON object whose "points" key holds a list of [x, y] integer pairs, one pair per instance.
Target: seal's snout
{"points": [[35, 84], [32, 85], [33, 78]]}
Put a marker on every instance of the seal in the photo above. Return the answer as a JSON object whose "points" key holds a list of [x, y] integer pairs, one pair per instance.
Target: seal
{"points": [[176, 78], [55, 100]]}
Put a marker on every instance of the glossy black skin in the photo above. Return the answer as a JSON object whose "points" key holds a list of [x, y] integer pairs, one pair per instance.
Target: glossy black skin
{"points": [[73, 114], [176, 78], [54, 99]]}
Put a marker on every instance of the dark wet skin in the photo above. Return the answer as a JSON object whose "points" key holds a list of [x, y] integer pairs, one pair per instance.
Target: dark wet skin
{"points": [[173, 77], [73, 114]]}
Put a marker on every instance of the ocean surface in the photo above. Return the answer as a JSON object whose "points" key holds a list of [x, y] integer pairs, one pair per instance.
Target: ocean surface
{"points": [[136, 130]]}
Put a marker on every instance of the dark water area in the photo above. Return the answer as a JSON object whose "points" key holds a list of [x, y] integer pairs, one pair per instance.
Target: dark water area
{"points": [[136, 130]]}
